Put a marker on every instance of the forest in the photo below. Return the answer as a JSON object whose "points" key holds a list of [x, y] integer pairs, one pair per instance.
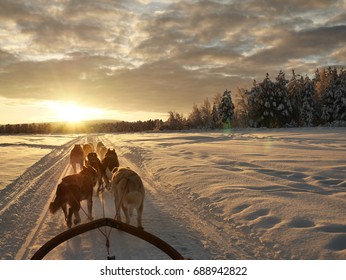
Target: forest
{"points": [[298, 102]]}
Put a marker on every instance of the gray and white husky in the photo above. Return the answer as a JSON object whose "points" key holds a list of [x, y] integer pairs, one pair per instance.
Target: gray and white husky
{"points": [[128, 190]]}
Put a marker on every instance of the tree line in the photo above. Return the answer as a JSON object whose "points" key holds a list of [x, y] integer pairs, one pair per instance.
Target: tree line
{"points": [[298, 102], [82, 127]]}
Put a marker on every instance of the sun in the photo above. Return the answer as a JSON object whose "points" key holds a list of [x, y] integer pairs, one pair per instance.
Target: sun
{"points": [[72, 112]]}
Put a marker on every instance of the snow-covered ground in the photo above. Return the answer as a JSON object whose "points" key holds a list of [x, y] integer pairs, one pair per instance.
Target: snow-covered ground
{"points": [[17, 153], [243, 194]]}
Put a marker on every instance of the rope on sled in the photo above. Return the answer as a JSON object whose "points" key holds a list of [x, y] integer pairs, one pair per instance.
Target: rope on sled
{"points": [[105, 234]]}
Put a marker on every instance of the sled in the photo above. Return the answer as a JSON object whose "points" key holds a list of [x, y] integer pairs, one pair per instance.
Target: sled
{"points": [[103, 222]]}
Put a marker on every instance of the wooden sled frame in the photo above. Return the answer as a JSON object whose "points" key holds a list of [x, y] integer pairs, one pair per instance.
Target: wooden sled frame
{"points": [[77, 230]]}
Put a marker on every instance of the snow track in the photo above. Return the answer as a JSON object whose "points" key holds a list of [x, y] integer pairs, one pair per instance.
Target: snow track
{"points": [[24, 210], [22, 202], [34, 234]]}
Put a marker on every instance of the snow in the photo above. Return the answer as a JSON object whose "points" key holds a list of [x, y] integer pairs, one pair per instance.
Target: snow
{"points": [[242, 194], [20, 152]]}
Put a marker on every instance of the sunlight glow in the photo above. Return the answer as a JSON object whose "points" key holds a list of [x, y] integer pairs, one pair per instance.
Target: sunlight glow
{"points": [[71, 112]]}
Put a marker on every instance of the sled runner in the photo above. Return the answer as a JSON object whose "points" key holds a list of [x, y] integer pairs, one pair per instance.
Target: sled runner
{"points": [[98, 223]]}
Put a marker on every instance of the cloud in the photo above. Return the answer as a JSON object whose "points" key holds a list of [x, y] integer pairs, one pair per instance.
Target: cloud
{"points": [[6, 58], [159, 55], [318, 43], [185, 27]]}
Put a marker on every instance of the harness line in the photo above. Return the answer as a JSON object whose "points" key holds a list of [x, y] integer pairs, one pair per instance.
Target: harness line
{"points": [[118, 209], [103, 233]]}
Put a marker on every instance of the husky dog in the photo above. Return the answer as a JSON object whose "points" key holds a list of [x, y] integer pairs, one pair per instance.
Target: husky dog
{"points": [[88, 148], [72, 190], [77, 157], [98, 147], [93, 160], [109, 162], [129, 194], [102, 152]]}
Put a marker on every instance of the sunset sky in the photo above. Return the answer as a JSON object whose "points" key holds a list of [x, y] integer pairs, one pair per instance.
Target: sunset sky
{"points": [[134, 60]]}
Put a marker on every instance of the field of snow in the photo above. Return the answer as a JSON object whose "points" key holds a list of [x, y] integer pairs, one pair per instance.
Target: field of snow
{"points": [[243, 194], [20, 152]]}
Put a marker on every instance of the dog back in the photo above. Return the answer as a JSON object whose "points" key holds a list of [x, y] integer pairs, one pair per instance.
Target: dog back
{"points": [[128, 187], [76, 153]]}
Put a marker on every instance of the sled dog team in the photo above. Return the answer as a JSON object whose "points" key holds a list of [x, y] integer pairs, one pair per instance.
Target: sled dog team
{"points": [[99, 167]]}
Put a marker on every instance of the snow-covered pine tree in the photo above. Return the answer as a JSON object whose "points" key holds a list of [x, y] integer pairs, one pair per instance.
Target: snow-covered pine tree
{"points": [[319, 83], [339, 111], [216, 121], [268, 102], [242, 107], [308, 114], [206, 113], [328, 96], [226, 108], [295, 92], [215, 118], [255, 105], [283, 109]]}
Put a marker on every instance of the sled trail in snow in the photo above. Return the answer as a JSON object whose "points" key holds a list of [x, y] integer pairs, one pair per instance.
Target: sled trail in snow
{"points": [[91, 245]]}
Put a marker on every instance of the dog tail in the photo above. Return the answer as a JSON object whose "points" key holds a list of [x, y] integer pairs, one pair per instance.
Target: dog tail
{"points": [[58, 201], [54, 206]]}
